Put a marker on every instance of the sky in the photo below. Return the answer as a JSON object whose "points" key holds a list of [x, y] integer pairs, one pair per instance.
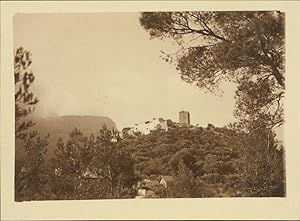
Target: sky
{"points": [[105, 65]]}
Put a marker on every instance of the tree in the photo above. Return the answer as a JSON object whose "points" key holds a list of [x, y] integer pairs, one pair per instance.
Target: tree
{"points": [[31, 180], [246, 48], [186, 156], [226, 42], [94, 167], [74, 170], [24, 98], [261, 164], [116, 163], [242, 47], [186, 184], [74, 157], [259, 105]]}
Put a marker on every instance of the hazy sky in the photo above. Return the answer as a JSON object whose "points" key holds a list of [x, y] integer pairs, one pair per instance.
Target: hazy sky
{"points": [[105, 65]]}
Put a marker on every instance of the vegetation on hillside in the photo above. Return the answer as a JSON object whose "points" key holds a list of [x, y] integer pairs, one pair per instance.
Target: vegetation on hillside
{"points": [[204, 162], [210, 162]]}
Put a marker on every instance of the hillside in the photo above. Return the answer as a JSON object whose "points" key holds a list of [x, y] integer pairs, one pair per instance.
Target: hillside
{"points": [[199, 162], [61, 126], [200, 148], [207, 162]]}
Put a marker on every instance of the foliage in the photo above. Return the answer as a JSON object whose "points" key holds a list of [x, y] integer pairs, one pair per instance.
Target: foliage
{"points": [[259, 105], [117, 166], [24, 98], [186, 184], [246, 48], [262, 165], [204, 162], [209, 162], [30, 176], [32, 179], [222, 42], [93, 167]]}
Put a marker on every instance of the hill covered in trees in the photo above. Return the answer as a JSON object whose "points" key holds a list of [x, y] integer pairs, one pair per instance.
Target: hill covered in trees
{"points": [[209, 162], [203, 162]]}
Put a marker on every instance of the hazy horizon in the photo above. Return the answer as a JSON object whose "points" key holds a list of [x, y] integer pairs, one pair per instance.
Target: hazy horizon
{"points": [[104, 64]]}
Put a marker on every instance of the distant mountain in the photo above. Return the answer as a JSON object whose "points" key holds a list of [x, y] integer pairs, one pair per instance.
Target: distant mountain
{"points": [[61, 126]]}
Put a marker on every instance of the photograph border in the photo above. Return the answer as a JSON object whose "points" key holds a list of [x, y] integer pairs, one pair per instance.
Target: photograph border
{"points": [[208, 208]]}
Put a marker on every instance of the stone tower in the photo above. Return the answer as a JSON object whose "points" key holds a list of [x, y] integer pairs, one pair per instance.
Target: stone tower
{"points": [[184, 117]]}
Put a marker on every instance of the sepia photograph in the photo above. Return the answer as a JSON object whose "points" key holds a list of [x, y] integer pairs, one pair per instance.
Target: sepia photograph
{"points": [[149, 110], [149, 104]]}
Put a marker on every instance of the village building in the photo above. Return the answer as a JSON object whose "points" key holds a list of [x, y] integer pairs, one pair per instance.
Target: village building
{"points": [[157, 124], [184, 117], [145, 188], [148, 126], [166, 180]]}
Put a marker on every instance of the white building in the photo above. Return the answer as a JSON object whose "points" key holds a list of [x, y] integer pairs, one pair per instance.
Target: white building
{"points": [[148, 126], [165, 180]]}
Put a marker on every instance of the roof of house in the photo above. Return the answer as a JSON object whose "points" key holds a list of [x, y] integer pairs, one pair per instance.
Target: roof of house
{"points": [[167, 178]]}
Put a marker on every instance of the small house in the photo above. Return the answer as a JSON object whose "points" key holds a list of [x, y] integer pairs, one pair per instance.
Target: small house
{"points": [[166, 180]]}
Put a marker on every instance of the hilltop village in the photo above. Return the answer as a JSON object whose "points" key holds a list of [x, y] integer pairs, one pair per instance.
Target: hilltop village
{"points": [[146, 187], [154, 176], [157, 124], [153, 159]]}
